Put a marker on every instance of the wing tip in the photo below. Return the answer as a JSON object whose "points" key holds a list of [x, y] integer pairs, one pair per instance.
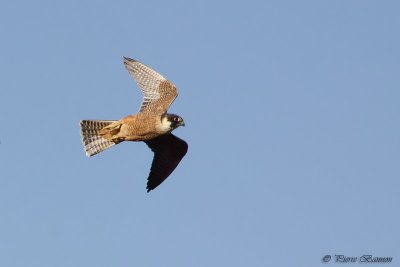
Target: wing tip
{"points": [[149, 188], [128, 59]]}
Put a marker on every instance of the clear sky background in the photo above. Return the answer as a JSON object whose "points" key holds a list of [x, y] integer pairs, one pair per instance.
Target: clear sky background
{"points": [[292, 119]]}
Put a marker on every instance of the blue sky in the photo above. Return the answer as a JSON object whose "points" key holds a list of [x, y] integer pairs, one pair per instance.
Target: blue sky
{"points": [[292, 119]]}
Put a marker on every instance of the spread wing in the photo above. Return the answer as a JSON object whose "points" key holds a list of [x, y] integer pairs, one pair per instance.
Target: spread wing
{"points": [[168, 152], [159, 93]]}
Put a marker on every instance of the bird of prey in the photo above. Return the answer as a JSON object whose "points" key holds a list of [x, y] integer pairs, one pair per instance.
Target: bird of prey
{"points": [[152, 125]]}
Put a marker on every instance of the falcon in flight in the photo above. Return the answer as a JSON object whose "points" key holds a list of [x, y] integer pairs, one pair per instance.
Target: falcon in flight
{"points": [[152, 125]]}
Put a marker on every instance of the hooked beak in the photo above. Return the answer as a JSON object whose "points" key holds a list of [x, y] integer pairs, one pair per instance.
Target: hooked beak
{"points": [[182, 123]]}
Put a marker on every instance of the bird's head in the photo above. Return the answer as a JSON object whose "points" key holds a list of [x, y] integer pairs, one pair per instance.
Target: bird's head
{"points": [[172, 121]]}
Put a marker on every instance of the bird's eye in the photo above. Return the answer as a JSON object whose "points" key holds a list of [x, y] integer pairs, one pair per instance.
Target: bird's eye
{"points": [[176, 119]]}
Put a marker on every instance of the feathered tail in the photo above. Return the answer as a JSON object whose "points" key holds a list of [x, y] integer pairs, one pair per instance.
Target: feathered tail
{"points": [[92, 141]]}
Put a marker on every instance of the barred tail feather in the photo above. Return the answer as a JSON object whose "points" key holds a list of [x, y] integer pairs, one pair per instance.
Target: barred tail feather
{"points": [[92, 142]]}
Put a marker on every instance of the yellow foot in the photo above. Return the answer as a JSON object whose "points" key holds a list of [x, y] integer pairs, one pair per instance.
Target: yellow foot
{"points": [[109, 132]]}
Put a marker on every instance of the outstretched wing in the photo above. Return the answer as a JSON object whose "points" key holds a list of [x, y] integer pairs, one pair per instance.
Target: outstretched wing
{"points": [[168, 152], [159, 93]]}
